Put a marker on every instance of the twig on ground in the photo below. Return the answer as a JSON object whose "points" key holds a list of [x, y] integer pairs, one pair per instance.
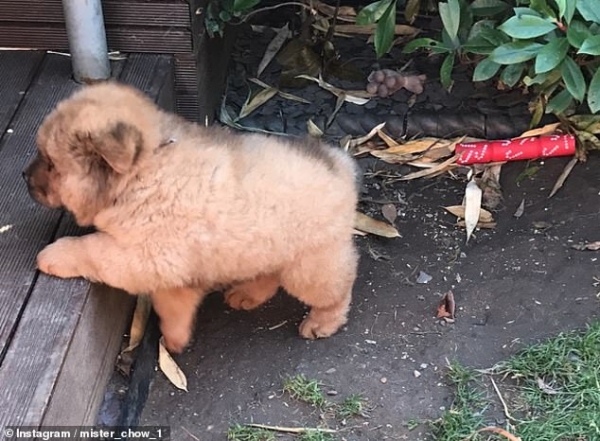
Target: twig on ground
{"points": [[504, 405], [290, 429]]}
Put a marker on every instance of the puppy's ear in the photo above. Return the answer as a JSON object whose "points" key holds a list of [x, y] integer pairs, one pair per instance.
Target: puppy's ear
{"points": [[119, 146]]}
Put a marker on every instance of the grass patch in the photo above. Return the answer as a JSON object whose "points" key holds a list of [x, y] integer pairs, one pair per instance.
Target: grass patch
{"points": [[547, 392], [316, 435], [244, 433], [352, 406], [303, 389]]}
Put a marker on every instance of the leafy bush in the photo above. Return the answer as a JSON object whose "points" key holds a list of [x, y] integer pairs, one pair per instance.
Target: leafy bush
{"points": [[220, 12], [551, 45]]}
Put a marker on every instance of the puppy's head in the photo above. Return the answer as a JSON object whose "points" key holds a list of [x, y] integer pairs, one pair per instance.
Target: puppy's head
{"points": [[88, 144]]}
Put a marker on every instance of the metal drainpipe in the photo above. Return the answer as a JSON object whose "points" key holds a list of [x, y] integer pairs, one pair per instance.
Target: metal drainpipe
{"points": [[87, 40]]}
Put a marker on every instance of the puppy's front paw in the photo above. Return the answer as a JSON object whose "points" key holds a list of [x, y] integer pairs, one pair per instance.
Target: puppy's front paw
{"points": [[60, 259]]}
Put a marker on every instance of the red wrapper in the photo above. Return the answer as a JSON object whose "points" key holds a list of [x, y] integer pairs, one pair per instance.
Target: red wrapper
{"points": [[515, 149]]}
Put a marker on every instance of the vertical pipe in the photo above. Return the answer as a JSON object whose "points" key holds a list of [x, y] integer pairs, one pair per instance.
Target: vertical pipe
{"points": [[87, 40]]}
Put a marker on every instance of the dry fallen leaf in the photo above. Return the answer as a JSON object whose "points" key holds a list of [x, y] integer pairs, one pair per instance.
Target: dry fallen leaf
{"points": [[389, 212], [520, 210], [448, 164], [362, 139], [473, 196], [169, 367], [367, 224], [138, 323], [274, 46], [459, 211], [313, 129], [548, 129], [447, 306], [253, 103], [590, 246], [500, 431], [370, 29], [490, 184], [287, 96], [564, 175], [359, 97]]}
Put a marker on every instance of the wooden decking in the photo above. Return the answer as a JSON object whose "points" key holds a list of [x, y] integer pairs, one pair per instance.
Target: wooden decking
{"points": [[58, 338]]}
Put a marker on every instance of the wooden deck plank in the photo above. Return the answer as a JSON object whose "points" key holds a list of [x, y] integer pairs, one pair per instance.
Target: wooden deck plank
{"points": [[116, 12], [16, 71], [62, 352], [31, 226], [126, 39]]}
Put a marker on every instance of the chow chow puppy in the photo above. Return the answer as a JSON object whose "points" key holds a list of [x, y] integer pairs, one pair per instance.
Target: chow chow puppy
{"points": [[181, 210]]}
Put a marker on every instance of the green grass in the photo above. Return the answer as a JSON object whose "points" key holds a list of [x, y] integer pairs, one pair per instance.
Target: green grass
{"points": [[302, 389], [244, 433], [352, 406], [316, 435], [551, 391]]}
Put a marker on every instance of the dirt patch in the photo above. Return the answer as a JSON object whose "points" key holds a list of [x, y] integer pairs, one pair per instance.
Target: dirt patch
{"points": [[513, 285]]}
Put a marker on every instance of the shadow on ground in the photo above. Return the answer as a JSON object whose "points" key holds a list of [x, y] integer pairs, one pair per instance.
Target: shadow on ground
{"points": [[514, 285]]}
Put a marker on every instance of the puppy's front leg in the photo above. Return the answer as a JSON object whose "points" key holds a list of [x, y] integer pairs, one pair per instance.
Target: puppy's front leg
{"points": [[96, 257]]}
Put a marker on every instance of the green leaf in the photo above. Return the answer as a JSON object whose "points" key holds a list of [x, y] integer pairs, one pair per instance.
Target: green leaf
{"points": [[384, 32], [593, 99], [244, 5], [446, 71], [589, 10], [372, 12], [542, 7], [526, 26], [577, 32], [526, 11], [590, 46], [450, 14], [566, 9], [485, 70], [560, 102], [420, 43], [573, 78], [512, 74], [487, 8], [516, 52], [551, 55]]}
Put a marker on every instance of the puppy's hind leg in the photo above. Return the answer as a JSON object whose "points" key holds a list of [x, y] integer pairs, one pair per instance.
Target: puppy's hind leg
{"points": [[323, 280], [176, 308], [252, 293]]}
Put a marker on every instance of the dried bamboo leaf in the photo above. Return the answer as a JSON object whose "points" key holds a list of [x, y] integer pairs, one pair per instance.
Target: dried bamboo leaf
{"points": [[389, 141], [459, 211], [548, 129], [362, 139], [473, 196], [138, 323], [287, 96], [274, 46], [359, 97], [256, 101], [367, 224], [339, 102], [448, 164], [170, 368], [313, 129], [563, 176]]}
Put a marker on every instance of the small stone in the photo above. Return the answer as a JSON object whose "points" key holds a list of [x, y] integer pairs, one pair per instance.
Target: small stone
{"points": [[332, 393], [383, 380], [417, 374], [424, 366], [423, 277], [330, 371]]}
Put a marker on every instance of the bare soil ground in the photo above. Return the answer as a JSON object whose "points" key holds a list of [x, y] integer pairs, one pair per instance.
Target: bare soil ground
{"points": [[513, 285]]}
